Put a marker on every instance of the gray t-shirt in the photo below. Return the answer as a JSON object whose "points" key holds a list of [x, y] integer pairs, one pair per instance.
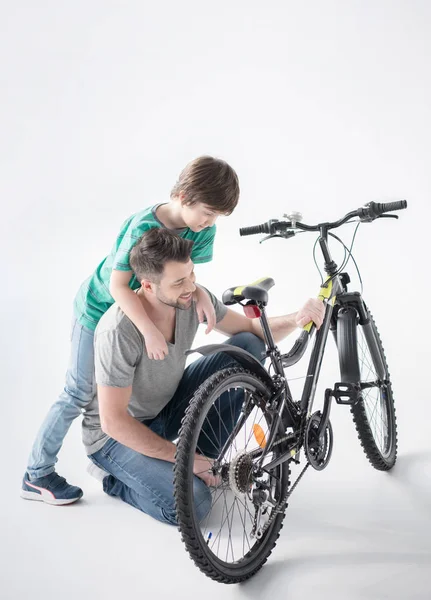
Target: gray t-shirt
{"points": [[121, 360]]}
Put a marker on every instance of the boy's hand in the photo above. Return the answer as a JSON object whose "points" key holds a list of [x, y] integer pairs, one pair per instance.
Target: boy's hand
{"points": [[155, 344], [205, 309]]}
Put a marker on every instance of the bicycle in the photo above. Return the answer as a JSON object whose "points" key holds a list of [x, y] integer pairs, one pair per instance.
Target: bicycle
{"points": [[267, 430]]}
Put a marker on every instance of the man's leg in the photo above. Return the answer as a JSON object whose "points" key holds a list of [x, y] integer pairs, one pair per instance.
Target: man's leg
{"points": [[147, 483], [144, 482], [168, 422]]}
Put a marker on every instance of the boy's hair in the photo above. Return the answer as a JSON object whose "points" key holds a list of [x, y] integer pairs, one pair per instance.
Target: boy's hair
{"points": [[154, 249], [210, 181]]}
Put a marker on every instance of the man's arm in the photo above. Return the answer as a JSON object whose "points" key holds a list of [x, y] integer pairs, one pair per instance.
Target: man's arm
{"points": [[121, 426], [116, 353], [281, 327]]}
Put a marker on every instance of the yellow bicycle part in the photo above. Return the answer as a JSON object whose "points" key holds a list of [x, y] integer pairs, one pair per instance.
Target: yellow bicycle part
{"points": [[324, 295]]}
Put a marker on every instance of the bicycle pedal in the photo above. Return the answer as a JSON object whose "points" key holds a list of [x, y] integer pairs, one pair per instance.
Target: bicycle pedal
{"points": [[346, 393]]}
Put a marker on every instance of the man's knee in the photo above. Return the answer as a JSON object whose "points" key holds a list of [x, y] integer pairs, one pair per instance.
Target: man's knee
{"points": [[202, 497], [250, 342]]}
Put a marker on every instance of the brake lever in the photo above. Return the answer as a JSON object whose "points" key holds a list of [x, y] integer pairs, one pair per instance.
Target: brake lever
{"points": [[285, 235], [388, 217], [268, 237]]}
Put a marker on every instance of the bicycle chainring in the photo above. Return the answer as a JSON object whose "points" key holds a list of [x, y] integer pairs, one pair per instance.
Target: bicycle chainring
{"points": [[318, 449]]}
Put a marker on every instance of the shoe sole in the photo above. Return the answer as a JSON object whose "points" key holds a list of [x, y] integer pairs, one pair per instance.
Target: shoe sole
{"points": [[39, 498]]}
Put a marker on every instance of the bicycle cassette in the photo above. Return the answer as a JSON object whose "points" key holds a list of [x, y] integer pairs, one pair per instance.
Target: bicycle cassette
{"points": [[240, 473]]}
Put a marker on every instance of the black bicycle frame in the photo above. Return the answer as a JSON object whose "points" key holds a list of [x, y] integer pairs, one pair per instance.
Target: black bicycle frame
{"points": [[334, 293]]}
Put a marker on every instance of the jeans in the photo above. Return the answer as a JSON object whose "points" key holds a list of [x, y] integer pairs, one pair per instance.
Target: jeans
{"points": [[147, 483], [78, 392]]}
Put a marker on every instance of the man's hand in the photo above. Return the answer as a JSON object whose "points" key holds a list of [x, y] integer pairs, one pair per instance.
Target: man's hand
{"points": [[155, 343], [202, 469], [313, 310], [205, 309]]}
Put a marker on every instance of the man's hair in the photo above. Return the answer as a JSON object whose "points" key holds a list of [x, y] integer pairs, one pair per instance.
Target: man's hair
{"points": [[154, 249], [210, 181]]}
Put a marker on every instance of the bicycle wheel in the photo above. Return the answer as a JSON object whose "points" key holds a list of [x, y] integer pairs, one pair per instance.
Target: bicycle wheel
{"points": [[362, 360], [227, 421]]}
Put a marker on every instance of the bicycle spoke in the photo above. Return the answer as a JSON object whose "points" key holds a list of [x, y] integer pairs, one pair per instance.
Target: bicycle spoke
{"points": [[229, 522]]}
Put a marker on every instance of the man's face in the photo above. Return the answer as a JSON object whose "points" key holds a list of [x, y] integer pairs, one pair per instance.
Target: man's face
{"points": [[177, 285]]}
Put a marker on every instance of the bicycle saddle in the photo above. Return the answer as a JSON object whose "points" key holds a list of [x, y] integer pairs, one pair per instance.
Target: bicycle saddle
{"points": [[258, 291]]}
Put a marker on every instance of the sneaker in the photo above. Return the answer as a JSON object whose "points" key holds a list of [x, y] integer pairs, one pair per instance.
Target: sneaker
{"points": [[96, 472], [51, 489]]}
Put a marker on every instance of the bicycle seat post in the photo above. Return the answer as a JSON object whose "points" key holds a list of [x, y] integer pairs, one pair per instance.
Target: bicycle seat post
{"points": [[272, 350]]}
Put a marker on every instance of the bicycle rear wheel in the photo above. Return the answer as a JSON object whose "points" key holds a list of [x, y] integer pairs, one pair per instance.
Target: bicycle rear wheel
{"points": [[363, 361], [223, 544]]}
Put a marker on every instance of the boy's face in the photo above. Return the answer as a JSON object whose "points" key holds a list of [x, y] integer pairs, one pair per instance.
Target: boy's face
{"points": [[198, 216]]}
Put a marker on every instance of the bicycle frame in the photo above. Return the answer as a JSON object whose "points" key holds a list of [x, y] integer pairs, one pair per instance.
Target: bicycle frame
{"points": [[328, 293], [334, 293]]}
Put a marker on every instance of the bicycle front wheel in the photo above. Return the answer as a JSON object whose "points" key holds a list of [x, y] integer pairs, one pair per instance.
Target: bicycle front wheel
{"points": [[227, 422], [363, 361]]}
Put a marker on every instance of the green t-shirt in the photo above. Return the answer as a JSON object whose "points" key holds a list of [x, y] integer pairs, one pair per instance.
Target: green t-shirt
{"points": [[93, 298]]}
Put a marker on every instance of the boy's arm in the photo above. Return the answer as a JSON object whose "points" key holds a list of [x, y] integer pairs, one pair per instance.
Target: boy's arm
{"points": [[204, 308], [132, 307]]}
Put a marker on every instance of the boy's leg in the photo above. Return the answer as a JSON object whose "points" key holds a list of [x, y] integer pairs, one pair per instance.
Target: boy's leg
{"points": [[78, 392], [144, 482]]}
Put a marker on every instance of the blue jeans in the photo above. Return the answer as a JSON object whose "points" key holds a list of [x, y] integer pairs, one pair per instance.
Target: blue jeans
{"points": [[78, 392], [147, 483]]}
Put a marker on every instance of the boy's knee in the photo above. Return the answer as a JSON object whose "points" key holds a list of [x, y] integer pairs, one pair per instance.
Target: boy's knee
{"points": [[77, 397]]}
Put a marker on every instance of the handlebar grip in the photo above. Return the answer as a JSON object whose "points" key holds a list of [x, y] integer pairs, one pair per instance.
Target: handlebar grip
{"points": [[391, 206], [373, 210], [254, 229]]}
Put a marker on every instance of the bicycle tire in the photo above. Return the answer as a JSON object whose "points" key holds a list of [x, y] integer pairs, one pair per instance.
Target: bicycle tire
{"points": [[199, 550], [356, 357]]}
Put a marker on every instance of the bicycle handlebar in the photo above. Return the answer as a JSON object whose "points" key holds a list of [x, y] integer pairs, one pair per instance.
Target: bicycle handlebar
{"points": [[367, 213]]}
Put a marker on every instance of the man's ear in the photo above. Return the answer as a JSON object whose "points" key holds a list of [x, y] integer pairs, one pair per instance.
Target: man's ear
{"points": [[148, 286]]}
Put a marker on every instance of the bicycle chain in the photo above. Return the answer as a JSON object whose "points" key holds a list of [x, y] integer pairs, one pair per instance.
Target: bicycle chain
{"points": [[289, 437], [281, 506]]}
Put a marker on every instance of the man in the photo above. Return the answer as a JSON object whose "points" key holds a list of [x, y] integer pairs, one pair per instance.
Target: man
{"points": [[129, 427]]}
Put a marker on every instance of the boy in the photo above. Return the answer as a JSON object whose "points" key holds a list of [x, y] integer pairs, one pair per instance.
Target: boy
{"points": [[206, 188]]}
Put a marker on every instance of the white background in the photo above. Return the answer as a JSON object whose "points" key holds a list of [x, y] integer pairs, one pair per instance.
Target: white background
{"points": [[320, 107]]}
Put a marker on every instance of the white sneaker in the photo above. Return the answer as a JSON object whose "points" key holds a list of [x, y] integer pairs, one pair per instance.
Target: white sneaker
{"points": [[96, 472]]}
